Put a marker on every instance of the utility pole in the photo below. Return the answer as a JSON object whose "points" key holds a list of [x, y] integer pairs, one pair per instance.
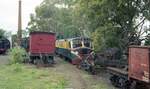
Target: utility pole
{"points": [[19, 23]]}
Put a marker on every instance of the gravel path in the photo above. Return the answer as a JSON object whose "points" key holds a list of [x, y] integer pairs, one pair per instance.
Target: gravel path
{"points": [[79, 79], [4, 59]]}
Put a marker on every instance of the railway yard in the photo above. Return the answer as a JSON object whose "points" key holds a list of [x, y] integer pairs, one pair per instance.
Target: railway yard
{"points": [[77, 79], [75, 44]]}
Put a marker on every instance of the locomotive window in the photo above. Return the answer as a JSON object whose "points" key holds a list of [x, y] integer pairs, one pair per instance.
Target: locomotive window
{"points": [[87, 43], [69, 45], [77, 43]]}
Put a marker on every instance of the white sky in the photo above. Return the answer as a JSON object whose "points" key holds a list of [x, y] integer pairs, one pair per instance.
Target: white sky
{"points": [[9, 13]]}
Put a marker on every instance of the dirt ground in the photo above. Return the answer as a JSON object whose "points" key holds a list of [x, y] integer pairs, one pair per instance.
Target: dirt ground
{"points": [[79, 79], [3, 59]]}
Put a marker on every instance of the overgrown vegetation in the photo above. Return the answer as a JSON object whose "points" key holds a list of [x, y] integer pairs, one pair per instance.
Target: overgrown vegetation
{"points": [[2, 33], [117, 23], [52, 16], [17, 55], [147, 41], [96, 83], [19, 76]]}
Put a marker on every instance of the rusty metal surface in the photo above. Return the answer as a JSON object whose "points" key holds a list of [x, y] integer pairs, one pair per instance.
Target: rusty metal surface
{"points": [[42, 43], [139, 63], [117, 70]]}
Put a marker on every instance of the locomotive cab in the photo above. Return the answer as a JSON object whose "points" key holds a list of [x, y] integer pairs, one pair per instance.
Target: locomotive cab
{"points": [[74, 49], [77, 51]]}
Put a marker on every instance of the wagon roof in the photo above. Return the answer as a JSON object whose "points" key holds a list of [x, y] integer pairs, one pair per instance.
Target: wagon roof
{"points": [[75, 38], [136, 46], [40, 32], [78, 38]]}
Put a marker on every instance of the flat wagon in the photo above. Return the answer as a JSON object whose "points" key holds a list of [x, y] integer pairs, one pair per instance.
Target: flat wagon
{"points": [[137, 73]]}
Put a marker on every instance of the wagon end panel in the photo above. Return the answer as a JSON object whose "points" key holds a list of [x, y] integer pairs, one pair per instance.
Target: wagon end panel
{"points": [[139, 64], [42, 43]]}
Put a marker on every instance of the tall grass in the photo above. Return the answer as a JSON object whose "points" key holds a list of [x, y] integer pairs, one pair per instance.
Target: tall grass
{"points": [[18, 76]]}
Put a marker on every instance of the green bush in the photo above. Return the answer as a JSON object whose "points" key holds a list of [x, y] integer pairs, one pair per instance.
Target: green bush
{"points": [[17, 55]]}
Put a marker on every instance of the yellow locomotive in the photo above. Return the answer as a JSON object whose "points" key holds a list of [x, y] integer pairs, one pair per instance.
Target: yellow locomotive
{"points": [[74, 49]]}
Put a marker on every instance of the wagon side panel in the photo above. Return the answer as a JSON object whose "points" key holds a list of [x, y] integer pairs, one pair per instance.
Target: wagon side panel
{"points": [[139, 64], [42, 43]]}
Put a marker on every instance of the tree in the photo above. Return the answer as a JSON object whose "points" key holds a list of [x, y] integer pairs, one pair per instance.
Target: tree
{"points": [[147, 41], [25, 33], [110, 23], [115, 20], [54, 16], [2, 33]]}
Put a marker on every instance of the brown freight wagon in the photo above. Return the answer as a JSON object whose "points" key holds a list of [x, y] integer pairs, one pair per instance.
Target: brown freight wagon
{"points": [[137, 73], [42, 47], [139, 63]]}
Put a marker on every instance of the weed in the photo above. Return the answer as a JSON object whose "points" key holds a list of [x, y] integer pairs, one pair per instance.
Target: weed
{"points": [[18, 76], [17, 55]]}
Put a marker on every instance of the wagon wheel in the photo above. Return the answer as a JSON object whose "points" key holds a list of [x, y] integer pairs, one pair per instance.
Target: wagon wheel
{"points": [[39, 62], [26, 58], [142, 85], [85, 65], [35, 61], [114, 80], [133, 85], [91, 63]]}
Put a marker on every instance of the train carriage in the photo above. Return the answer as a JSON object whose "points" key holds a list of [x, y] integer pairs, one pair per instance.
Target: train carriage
{"points": [[25, 43], [42, 47], [4, 45]]}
